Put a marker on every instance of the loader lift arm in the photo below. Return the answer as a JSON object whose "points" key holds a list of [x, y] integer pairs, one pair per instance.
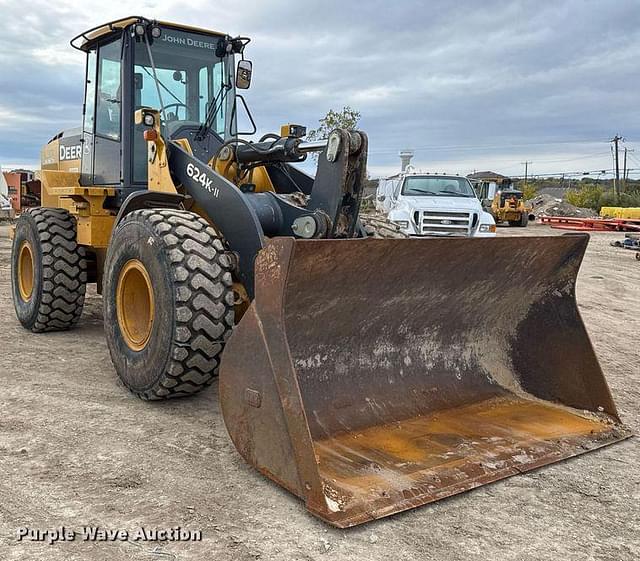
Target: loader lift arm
{"points": [[245, 218]]}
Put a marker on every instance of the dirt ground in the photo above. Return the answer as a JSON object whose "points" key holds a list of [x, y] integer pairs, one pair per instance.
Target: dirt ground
{"points": [[76, 449]]}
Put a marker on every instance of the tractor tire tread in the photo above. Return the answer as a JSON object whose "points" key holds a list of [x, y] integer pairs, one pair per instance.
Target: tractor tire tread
{"points": [[201, 278], [64, 270]]}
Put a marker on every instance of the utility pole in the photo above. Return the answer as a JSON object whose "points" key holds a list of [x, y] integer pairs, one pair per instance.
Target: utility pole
{"points": [[526, 171], [616, 139], [625, 172]]}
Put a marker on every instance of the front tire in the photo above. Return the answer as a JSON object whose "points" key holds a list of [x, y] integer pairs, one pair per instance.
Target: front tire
{"points": [[524, 220], [48, 270], [168, 302]]}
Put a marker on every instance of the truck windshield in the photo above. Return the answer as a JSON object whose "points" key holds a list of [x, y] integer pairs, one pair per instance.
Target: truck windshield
{"points": [[190, 75], [438, 186]]}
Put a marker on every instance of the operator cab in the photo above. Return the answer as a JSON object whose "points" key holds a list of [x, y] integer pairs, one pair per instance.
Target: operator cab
{"points": [[185, 73], [487, 186], [510, 196]]}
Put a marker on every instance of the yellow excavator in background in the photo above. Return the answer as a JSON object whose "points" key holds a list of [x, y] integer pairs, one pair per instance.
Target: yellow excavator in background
{"points": [[367, 376]]}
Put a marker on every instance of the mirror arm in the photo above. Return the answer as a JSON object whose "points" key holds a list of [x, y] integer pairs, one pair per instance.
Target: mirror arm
{"points": [[234, 114]]}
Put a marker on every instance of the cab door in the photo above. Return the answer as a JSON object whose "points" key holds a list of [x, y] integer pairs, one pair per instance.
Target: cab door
{"points": [[88, 123], [108, 110]]}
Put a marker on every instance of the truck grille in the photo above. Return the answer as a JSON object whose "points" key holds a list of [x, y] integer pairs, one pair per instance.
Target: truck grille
{"points": [[449, 223]]}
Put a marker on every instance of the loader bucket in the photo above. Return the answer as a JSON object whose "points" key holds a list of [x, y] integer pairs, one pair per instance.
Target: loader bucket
{"points": [[372, 376]]}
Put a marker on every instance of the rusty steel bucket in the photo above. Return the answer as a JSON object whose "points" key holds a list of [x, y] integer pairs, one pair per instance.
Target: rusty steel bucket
{"points": [[372, 376]]}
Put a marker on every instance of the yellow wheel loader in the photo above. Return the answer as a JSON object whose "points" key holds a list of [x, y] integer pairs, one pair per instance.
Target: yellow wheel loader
{"points": [[508, 206], [366, 376], [505, 203]]}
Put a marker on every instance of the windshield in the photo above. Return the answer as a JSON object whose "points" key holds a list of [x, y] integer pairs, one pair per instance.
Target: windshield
{"points": [[438, 186], [510, 196], [190, 76], [192, 85]]}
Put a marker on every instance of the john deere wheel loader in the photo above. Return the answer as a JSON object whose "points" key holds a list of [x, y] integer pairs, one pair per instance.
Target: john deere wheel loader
{"points": [[505, 203], [508, 206], [367, 376]]}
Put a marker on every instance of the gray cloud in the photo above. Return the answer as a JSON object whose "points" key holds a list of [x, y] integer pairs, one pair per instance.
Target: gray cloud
{"points": [[469, 85]]}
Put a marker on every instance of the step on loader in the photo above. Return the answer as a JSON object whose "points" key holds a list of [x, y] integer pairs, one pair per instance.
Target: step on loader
{"points": [[367, 376]]}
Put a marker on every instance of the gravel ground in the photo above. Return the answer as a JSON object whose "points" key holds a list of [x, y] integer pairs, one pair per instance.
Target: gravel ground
{"points": [[76, 449]]}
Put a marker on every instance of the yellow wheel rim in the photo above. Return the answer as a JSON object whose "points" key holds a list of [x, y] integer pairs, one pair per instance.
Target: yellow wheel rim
{"points": [[25, 271], [135, 305]]}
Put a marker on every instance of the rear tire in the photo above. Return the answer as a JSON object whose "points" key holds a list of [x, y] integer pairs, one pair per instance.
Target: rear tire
{"points": [[180, 275], [48, 270], [524, 220]]}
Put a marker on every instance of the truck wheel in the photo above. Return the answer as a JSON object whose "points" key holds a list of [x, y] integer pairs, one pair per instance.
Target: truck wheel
{"points": [[168, 302], [48, 270], [524, 220]]}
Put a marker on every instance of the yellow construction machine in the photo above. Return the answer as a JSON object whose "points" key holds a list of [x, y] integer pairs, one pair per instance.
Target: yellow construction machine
{"points": [[367, 376], [505, 203], [508, 206]]}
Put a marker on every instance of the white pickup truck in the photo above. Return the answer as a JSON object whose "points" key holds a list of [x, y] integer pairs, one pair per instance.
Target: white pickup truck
{"points": [[5, 203], [423, 204]]}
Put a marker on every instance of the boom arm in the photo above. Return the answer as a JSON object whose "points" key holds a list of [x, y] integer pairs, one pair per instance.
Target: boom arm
{"points": [[338, 184], [244, 217]]}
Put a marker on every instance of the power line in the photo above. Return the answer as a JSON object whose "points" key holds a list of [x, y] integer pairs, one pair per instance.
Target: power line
{"points": [[608, 171], [463, 147], [633, 158]]}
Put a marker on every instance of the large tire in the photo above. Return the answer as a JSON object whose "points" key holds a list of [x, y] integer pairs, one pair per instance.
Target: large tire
{"points": [[191, 302], [48, 270], [524, 220]]}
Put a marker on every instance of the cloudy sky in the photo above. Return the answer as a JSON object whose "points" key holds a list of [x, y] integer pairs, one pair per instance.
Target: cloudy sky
{"points": [[469, 85]]}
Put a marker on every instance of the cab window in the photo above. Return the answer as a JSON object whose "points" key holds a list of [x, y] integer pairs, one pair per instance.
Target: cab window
{"points": [[90, 92], [109, 99]]}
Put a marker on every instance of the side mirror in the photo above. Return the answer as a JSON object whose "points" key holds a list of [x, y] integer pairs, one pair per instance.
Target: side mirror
{"points": [[243, 74], [138, 80]]}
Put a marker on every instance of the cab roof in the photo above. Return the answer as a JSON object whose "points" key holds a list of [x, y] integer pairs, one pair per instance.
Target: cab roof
{"points": [[85, 40]]}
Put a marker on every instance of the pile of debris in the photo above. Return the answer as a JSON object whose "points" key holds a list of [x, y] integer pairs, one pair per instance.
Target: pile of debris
{"points": [[547, 205], [377, 225]]}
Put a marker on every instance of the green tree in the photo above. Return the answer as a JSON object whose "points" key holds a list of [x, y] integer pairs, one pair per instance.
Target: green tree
{"points": [[348, 118], [529, 189], [587, 196]]}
